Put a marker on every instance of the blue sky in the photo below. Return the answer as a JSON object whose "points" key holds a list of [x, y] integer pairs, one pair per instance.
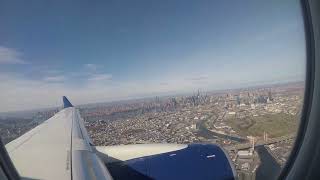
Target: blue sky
{"points": [[95, 51]]}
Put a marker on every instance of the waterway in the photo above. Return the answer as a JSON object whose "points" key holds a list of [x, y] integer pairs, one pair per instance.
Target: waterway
{"points": [[269, 167], [204, 132]]}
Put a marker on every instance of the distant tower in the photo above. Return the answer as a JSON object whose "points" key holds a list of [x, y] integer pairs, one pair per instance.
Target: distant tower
{"points": [[238, 100], [270, 95], [174, 101], [253, 144], [157, 99], [266, 136]]}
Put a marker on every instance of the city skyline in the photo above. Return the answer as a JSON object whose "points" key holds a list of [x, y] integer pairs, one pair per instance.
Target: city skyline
{"points": [[114, 51], [250, 124], [228, 91]]}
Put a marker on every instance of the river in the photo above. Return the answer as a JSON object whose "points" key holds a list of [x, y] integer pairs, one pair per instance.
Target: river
{"points": [[204, 132], [269, 167]]}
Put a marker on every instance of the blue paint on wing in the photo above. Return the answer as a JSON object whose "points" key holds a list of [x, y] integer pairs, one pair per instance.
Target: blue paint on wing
{"points": [[197, 161], [66, 102]]}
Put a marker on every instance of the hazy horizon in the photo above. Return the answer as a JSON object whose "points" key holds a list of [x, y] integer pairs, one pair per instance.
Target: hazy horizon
{"points": [[153, 96]]}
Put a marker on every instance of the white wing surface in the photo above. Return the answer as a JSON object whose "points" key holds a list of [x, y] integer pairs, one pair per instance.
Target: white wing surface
{"points": [[59, 148]]}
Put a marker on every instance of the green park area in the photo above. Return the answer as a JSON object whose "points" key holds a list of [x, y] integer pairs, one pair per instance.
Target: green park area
{"points": [[276, 125]]}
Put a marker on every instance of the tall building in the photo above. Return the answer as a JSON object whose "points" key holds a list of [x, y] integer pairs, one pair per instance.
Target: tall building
{"points": [[238, 100], [270, 96]]}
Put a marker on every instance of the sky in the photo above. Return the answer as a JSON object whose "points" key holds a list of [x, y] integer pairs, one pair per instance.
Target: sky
{"points": [[108, 50]]}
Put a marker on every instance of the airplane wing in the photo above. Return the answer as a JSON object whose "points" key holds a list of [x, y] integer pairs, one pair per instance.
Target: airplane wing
{"points": [[60, 148]]}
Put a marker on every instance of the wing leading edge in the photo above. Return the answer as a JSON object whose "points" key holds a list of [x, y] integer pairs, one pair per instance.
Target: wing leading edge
{"points": [[59, 148]]}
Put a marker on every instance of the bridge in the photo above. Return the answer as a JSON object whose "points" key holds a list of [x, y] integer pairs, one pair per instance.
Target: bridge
{"points": [[260, 143]]}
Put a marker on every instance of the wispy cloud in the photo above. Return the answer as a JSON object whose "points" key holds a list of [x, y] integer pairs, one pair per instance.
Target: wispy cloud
{"points": [[198, 78], [100, 77], [54, 78], [91, 67], [164, 84], [52, 71], [10, 56]]}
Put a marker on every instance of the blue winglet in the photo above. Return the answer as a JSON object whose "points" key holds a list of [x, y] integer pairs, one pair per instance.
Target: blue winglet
{"points": [[66, 102]]}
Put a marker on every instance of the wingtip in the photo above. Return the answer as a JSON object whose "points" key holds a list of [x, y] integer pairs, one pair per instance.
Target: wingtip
{"points": [[66, 102]]}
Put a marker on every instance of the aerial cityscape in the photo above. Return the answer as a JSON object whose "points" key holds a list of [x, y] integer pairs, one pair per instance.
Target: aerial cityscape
{"points": [[170, 73], [256, 126]]}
